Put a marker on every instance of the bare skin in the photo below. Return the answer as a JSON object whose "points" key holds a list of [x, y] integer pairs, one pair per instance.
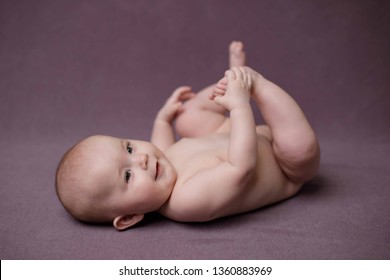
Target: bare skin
{"points": [[221, 166], [231, 166], [198, 116]]}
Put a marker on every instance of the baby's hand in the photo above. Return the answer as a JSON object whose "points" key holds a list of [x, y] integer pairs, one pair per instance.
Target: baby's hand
{"points": [[174, 104], [220, 88], [233, 91]]}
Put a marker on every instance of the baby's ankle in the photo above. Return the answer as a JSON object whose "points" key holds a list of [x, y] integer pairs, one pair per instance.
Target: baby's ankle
{"points": [[258, 82]]}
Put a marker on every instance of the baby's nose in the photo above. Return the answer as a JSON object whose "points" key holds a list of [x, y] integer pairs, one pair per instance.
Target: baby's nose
{"points": [[141, 160]]}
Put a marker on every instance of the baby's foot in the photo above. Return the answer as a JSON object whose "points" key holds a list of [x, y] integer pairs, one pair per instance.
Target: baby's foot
{"points": [[236, 54], [236, 59], [258, 82]]}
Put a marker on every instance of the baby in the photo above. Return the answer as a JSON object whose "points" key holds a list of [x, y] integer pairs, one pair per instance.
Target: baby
{"points": [[222, 165]]}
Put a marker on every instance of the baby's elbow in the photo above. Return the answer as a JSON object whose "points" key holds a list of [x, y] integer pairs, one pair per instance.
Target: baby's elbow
{"points": [[242, 174]]}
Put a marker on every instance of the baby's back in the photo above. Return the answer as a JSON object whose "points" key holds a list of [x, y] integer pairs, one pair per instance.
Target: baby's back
{"points": [[207, 189]]}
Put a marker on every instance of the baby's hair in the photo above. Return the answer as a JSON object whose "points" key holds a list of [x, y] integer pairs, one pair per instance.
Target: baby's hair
{"points": [[71, 187]]}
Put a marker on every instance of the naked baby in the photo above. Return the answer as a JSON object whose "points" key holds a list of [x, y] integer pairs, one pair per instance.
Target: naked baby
{"points": [[221, 166]]}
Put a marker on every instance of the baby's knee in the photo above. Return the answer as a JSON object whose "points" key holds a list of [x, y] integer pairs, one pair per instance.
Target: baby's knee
{"points": [[299, 161]]}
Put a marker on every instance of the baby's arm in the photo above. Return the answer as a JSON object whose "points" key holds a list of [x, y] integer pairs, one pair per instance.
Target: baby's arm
{"points": [[294, 142], [208, 194], [242, 153], [163, 135]]}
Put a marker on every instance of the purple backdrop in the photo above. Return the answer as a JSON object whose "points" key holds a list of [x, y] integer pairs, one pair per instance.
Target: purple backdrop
{"points": [[69, 69]]}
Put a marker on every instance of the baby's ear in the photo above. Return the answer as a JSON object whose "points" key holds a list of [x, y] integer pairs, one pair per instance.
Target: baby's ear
{"points": [[126, 221]]}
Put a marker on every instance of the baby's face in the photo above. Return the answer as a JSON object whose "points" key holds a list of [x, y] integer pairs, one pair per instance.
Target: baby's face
{"points": [[132, 177]]}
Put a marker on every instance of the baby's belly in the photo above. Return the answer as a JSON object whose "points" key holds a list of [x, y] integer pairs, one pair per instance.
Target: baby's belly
{"points": [[267, 185]]}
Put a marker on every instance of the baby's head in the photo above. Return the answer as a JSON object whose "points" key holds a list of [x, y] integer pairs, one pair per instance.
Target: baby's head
{"points": [[107, 179]]}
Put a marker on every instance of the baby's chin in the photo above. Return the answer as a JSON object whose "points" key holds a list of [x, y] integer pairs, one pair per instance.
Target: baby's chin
{"points": [[168, 176]]}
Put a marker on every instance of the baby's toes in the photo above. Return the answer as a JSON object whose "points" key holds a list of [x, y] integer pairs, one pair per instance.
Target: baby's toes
{"points": [[236, 54]]}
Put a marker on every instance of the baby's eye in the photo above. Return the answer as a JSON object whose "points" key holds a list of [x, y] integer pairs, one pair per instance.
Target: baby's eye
{"points": [[129, 149], [127, 176]]}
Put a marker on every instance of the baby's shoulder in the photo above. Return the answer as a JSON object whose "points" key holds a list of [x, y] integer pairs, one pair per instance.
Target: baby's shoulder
{"points": [[187, 206]]}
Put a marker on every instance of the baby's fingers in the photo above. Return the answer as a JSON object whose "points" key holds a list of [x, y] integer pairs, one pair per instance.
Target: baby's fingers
{"points": [[222, 84], [230, 75], [219, 91], [176, 95], [186, 96], [248, 81], [212, 96], [237, 73], [174, 109], [223, 81]]}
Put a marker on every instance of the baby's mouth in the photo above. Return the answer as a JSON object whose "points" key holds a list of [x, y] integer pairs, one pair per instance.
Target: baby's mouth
{"points": [[157, 170]]}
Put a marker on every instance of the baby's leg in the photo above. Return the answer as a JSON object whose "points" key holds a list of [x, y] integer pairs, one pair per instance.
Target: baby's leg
{"points": [[293, 140], [200, 116]]}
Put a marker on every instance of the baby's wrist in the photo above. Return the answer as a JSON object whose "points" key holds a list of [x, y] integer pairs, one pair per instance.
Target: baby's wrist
{"points": [[162, 116], [162, 121], [241, 107], [241, 104]]}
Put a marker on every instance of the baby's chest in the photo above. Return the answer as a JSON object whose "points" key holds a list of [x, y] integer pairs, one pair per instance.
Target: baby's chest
{"points": [[191, 156], [191, 164]]}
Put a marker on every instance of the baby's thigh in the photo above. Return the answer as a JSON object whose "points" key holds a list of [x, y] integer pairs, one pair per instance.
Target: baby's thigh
{"points": [[198, 122], [200, 116], [202, 101]]}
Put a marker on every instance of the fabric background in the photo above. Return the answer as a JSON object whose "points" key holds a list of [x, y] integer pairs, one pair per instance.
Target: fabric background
{"points": [[70, 69]]}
